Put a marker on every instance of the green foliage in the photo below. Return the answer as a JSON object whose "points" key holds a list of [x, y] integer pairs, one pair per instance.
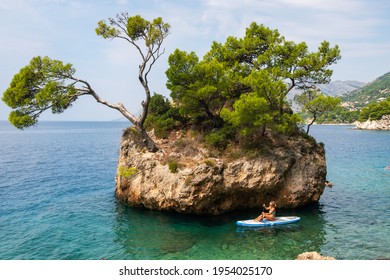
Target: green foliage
{"points": [[135, 28], [43, 84], [161, 125], [106, 31], [375, 111], [173, 165], [288, 123], [264, 85], [339, 115], [132, 133], [162, 117], [127, 172], [198, 88], [221, 138], [244, 82], [250, 112], [210, 163], [316, 104], [159, 105], [380, 88]]}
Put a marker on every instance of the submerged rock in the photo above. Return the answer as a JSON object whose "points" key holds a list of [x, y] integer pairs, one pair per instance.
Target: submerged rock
{"points": [[313, 256], [185, 177]]}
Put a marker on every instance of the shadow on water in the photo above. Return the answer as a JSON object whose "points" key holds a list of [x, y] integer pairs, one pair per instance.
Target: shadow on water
{"points": [[145, 234]]}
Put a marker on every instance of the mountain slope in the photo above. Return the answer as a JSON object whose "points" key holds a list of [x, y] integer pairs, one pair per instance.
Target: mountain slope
{"points": [[338, 88], [375, 91]]}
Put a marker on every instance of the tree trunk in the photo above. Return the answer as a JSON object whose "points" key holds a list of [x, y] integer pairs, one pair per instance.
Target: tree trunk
{"points": [[308, 126], [263, 129], [147, 141]]}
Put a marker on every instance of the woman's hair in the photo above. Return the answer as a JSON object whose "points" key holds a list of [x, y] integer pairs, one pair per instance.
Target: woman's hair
{"points": [[273, 203]]}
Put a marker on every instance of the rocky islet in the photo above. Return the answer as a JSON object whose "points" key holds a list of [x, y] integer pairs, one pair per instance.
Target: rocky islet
{"points": [[184, 176]]}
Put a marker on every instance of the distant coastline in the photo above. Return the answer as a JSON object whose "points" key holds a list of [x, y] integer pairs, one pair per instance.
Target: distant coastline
{"points": [[382, 124], [345, 124]]}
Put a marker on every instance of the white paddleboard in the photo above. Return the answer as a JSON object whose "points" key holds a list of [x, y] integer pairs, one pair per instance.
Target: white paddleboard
{"points": [[266, 223]]}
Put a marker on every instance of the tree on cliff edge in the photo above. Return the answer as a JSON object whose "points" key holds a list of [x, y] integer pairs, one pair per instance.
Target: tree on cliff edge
{"points": [[50, 84]]}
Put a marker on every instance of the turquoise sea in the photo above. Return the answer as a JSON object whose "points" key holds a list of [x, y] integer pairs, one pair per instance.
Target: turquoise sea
{"points": [[57, 202]]}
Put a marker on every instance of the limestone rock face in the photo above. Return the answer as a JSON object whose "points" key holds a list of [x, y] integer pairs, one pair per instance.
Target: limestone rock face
{"points": [[184, 177], [382, 124], [313, 256]]}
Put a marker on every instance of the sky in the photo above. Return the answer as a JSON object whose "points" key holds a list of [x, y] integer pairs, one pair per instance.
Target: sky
{"points": [[65, 30]]}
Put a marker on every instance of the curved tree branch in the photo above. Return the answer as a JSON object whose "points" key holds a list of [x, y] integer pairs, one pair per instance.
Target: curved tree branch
{"points": [[87, 90]]}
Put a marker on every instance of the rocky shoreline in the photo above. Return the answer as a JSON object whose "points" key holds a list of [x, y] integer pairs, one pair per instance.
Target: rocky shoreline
{"points": [[186, 177], [382, 124]]}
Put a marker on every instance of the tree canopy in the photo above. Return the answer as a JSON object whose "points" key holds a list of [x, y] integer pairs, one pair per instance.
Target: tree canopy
{"points": [[244, 82], [43, 84], [316, 104], [375, 111]]}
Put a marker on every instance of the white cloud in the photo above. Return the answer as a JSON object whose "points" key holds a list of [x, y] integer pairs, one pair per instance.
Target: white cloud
{"points": [[302, 20], [121, 2]]}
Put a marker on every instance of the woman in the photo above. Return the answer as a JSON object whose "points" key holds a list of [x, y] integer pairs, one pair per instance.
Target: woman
{"points": [[271, 215]]}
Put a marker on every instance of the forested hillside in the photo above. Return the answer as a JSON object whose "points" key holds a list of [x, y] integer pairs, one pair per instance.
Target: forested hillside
{"points": [[375, 91], [368, 102]]}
